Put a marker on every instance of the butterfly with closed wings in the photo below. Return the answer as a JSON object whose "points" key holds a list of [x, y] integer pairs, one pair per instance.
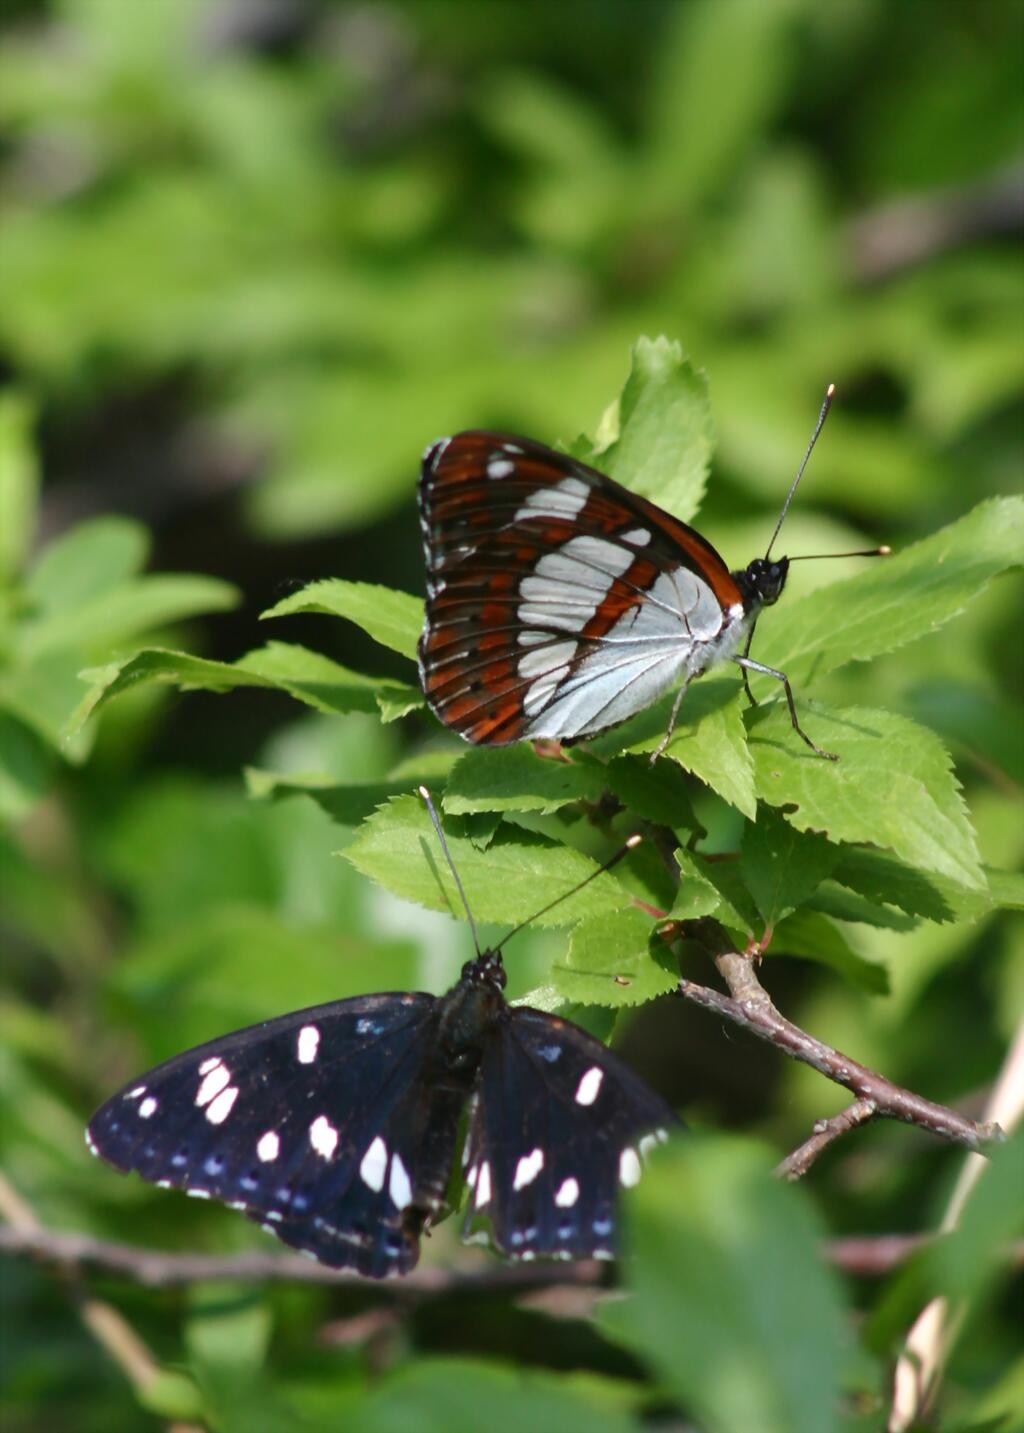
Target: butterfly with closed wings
{"points": [[559, 603], [336, 1127]]}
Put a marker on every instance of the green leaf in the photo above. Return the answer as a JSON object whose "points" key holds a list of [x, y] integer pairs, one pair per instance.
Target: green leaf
{"points": [[91, 559], [720, 71], [349, 805], [893, 785], [837, 901], [974, 1255], [897, 600], [311, 678], [509, 882], [730, 1302], [615, 960], [462, 1395], [516, 779], [710, 886], [19, 482], [812, 936], [663, 433], [658, 793], [709, 739], [394, 619], [880, 876], [781, 865], [119, 613], [25, 766]]}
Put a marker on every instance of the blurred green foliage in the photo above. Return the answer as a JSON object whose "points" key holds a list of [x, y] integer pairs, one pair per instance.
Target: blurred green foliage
{"points": [[253, 257]]}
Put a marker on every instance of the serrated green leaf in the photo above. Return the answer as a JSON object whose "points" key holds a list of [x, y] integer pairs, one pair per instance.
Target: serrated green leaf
{"points": [[663, 433], [812, 936], [656, 793], [782, 866], [19, 482], [837, 901], [893, 785], [896, 600], [709, 886], [615, 960], [514, 778], [709, 739], [880, 876], [92, 558], [509, 882], [311, 678], [730, 1272], [394, 619], [117, 614]]}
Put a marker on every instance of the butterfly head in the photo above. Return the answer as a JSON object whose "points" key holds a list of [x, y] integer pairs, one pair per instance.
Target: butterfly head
{"points": [[486, 969], [764, 579]]}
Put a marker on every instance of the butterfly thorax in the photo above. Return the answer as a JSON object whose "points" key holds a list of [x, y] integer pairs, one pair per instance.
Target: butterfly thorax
{"points": [[761, 582], [469, 1010]]}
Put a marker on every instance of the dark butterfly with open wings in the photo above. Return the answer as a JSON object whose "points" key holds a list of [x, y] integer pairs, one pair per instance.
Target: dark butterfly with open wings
{"points": [[336, 1127]]}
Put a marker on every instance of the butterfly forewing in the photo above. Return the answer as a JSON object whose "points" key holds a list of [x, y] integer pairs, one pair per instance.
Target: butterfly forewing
{"points": [[559, 602], [324, 1125], [549, 1178]]}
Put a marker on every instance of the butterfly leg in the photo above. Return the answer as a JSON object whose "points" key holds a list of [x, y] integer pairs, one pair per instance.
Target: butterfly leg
{"points": [[746, 653], [671, 722], [748, 664]]}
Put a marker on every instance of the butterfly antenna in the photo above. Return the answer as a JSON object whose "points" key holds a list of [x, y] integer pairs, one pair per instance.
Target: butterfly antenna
{"points": [[623, 850], [429, 803], [884, 551], [830, 393]]}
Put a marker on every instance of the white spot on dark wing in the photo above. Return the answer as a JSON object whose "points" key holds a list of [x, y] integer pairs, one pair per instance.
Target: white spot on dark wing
{"points": [[210, 1064], [529, 1166], [220, 1108], [602, 1227], [512, 448], [367, 1027], [268, 1146], [308, 1044], [198, 1193], [374, 1165], [164, 1184], [543, 661], [500, 468], [323, 1136], [567, 1193], [471, 1175], [629, 1167], [216, 1077], [638, 536], [589, 1086], [549, 1052], [483, 1185], [147, 1107], [134, 1094], [399, 1185], [649, 1142], [90, 1143]]}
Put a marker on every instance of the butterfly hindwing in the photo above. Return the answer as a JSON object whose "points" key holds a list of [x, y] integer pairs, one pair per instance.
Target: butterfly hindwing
{"points": [[559, 602], [322, 1125], [559, 1126]]}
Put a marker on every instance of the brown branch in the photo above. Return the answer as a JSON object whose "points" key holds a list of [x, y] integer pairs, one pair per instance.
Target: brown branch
{"points": [[796, 1165], [749, 1005], [869, 1256]]}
